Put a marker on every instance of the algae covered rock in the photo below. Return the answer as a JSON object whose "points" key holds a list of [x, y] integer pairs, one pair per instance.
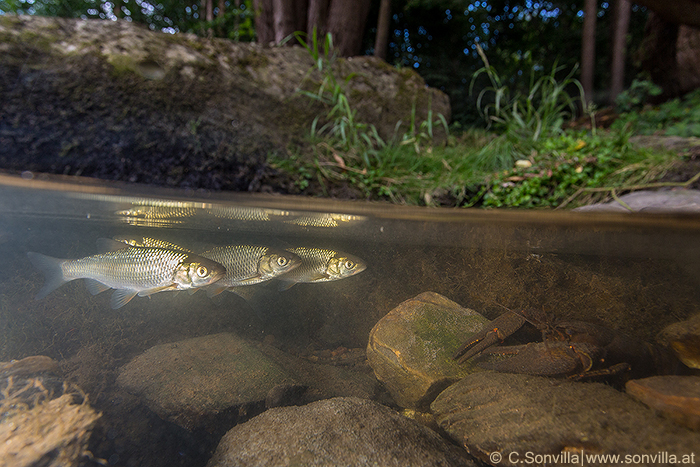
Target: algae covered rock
{"points": [[410, 349], [503, 418], [191, 382], [344, 431]]}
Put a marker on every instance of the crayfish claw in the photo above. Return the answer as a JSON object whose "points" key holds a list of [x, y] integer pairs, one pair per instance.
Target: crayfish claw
{"points": [[493, 333]]}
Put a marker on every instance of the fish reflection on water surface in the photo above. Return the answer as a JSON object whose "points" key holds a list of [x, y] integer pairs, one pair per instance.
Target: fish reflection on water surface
{"points": [[131, 270]]}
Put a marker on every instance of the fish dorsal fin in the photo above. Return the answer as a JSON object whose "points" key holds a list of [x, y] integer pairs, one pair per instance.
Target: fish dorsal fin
{"points": [[107, 244], [121, 297], [95, 287]]}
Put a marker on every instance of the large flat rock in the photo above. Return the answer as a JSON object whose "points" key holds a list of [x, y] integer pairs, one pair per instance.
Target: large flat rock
{"points": [[338, 432], [191, 382], [500, 418]]}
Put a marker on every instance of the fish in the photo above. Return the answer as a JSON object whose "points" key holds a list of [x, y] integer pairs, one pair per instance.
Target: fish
{"points": [[249, 264], [321, 265], [151, 242], [131, 270], [326, 219]]}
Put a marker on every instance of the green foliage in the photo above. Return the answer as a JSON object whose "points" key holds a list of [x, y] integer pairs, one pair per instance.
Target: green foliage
{"points": [[636, 95], [523, 118], [348, 149], [342, 131], [553, 166], [677, 117], [566, 164], [437, 37], [237, 23]]}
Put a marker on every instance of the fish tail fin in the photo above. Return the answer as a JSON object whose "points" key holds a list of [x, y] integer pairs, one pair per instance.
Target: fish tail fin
{"points": [[53, 272]]}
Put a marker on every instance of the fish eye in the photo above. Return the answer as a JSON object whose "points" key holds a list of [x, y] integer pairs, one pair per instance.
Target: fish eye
{"points": [[350, 264], [282, 261], [202, 271]]}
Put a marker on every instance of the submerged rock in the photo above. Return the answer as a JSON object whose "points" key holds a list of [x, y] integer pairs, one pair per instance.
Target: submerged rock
{"points": [[339, 432], [193, 382], [410, 349], [502, 418], [684, 338], [222, 379], [676, 397]]}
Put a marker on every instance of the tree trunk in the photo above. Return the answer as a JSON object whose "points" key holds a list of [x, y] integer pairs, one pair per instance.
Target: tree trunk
{"points": [[317, 17], [383, 25], [658, 52], [619, 47], [210, 10], [264, 28], [588, 48], [276, 19], [346, 21]]}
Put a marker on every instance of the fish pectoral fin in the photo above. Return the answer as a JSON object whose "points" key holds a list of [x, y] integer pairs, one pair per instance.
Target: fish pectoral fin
{"points": [[251, 280], [121, 297], [95, 287], [285, 285], [147, 292], [215, 289], [319, 277]]}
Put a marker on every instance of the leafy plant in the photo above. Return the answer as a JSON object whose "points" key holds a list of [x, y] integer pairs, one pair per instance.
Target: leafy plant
{"points": [[677, 117], [636, 96]]}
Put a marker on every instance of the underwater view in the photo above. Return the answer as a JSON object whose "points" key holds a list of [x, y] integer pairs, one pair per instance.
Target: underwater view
{"points": [[339, 333]]}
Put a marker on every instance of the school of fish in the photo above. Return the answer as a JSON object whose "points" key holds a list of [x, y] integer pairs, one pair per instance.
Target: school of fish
{"points": [[146, 266]]}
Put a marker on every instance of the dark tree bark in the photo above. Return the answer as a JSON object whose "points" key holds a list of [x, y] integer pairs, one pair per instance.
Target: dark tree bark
{"points": [[222, 9], [264, 27], [619, 48], [677, 11], [588, 48], [210, 10], [658, 54], [383, 25], [345, 20]]}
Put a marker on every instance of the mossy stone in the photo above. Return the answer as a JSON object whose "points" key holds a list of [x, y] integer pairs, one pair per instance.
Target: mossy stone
{"points": [[411, 348]]}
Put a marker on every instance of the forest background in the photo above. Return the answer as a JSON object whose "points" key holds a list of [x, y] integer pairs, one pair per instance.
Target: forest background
{"points": [[585, 53]]}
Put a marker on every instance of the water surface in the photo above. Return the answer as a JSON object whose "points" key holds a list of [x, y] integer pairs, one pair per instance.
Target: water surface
{"points": [[636, 273]]}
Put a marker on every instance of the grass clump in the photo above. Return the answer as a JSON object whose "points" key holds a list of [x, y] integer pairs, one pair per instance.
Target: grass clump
{"points": [[527, 157], [522, 119]]}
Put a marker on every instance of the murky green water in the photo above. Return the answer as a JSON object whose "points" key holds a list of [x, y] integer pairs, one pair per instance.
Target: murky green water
{"points": [[633, 273]]}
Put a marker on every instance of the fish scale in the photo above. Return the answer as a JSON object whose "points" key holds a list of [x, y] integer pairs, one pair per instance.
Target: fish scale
{"points": [[241, 261], [130, 269], [143, 268], [249, 264]]}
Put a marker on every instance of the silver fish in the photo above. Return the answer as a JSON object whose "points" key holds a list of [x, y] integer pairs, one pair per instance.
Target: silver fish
{"points": [[321, 265], [249, 264], [151, 242], [131, 270]]}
